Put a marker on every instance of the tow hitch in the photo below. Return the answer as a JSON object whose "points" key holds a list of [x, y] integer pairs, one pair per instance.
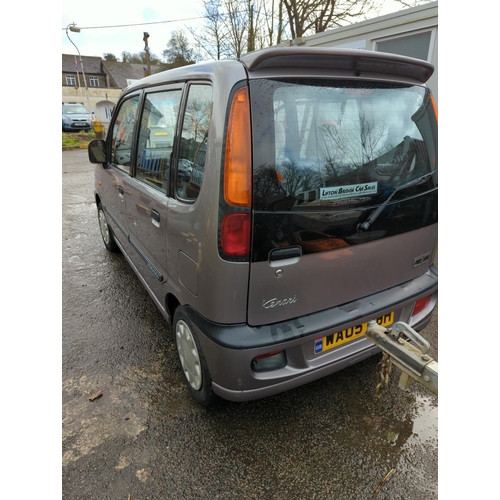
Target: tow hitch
{"points": [[410, 357]]}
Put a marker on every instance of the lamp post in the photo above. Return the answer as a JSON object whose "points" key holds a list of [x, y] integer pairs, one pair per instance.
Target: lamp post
{"points": [[73, 27], [146, 48]]}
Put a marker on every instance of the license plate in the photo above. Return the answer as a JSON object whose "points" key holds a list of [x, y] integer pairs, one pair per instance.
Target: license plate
{"points": [[348, 335]]}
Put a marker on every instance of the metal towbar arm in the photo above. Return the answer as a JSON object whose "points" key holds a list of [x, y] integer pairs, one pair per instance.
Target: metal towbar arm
{"points": [[410, 358]]}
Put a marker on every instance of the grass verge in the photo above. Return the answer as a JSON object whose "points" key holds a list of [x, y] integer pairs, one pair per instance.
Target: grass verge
{"points": [[75, 140]]}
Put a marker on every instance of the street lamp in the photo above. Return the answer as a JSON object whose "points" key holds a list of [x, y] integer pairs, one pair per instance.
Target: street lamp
{"points": [[146, 48], [73, 27]]}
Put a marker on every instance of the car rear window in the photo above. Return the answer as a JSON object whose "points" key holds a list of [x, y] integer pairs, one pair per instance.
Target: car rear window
{"points": [[328, 145]]}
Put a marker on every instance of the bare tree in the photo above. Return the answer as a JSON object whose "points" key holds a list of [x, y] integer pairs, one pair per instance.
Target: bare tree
{"points": [[265, 23], [274, 22], [212, 38], [231, 28], [237, 23], [412, 3], [234, 27], [266, 182], [315, 16]]}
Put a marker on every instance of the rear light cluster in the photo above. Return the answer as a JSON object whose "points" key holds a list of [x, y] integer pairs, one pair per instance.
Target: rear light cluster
{"points": [[235, 234], [236, 225], [420, 305]]}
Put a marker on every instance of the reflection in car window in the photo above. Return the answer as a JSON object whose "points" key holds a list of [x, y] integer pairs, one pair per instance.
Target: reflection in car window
{"points": [[123, 134], [349, 144], [192, 151], [156, 137]]}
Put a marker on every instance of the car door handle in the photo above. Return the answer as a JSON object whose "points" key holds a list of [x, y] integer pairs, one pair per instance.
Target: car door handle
{"points": [[155, 218], [285, 253]]}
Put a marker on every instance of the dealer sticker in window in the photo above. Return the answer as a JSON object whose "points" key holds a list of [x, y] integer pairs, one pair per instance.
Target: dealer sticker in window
{"points": [[338, 192], [349, 334]]}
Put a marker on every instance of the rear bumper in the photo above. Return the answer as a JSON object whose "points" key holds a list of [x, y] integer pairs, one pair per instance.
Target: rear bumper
{"points": [[230, 349]]}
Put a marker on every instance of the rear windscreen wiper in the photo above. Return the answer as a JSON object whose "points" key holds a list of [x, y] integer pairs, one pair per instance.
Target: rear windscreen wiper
{"points": [[414, 182]]}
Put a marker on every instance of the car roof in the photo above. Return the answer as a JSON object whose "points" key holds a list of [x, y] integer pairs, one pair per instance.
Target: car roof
{"points": [[203, 70], [300, 61]]}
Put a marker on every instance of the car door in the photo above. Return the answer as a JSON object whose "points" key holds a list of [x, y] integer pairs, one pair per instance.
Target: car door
{"points": [[345, 193], [148, 197]]}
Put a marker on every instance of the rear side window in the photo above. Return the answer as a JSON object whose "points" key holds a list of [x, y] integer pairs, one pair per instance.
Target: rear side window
{"points": [[333, 145], [193, 142], [123, 134], [156, 138]]}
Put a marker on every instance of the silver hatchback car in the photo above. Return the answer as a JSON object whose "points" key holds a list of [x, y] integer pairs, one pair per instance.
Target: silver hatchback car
{"points": [[272, 206], [75, 117]]}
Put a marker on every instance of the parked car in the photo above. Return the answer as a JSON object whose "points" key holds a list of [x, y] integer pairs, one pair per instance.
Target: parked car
{"points": [[76, 117], [296, 201]]}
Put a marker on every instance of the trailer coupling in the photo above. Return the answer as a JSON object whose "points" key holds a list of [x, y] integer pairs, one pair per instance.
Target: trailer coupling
{"points": [[405, 348]]}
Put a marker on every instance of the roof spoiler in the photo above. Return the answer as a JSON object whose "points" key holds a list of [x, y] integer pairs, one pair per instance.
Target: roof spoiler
{"points": [[354, 61]]}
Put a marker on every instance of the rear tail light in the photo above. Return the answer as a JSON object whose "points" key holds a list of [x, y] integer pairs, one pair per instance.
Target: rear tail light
{"points": [[235, 234], [420, 305], [238, 157], [235, 231], [268, 362]]}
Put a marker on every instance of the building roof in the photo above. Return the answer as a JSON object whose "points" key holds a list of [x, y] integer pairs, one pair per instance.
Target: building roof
{"points": [[91, 65], [123, 73], [120, 74]]}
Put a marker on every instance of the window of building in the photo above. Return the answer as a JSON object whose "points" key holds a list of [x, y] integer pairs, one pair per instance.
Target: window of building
{"points": [[415, 45], [94, 81], [193, 147], [156, 138], [70, 80]]}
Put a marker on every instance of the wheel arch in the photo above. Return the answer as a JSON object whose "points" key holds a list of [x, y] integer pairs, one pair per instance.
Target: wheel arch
{"points": [[171, 304]]}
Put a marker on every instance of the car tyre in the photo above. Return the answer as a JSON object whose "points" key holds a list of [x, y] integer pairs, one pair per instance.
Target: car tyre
{"points": [[107, 234], [192, 359]]}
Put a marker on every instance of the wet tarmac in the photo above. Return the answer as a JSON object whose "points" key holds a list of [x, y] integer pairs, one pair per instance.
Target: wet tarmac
{"points": [[145, 438]]}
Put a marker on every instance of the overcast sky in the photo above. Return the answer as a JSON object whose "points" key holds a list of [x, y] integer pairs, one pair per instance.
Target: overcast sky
{"points": [[106, 24]]}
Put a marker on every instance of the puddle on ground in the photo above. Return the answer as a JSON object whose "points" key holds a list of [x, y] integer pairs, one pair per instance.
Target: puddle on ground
{"points": [[425, 425]]}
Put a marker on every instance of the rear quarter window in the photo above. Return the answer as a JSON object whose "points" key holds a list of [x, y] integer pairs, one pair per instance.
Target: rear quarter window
{"points": [[193, 142]]}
